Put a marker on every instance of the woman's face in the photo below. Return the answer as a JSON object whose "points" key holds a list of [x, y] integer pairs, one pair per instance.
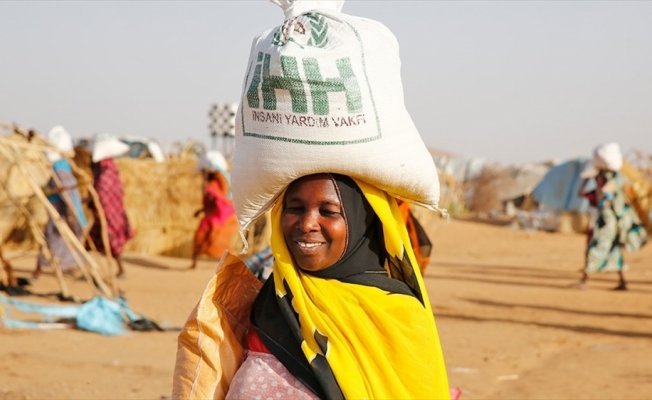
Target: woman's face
{"points": [[313, 222]]}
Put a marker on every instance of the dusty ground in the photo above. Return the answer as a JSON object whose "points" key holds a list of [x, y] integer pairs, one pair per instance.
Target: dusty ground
{"points": [[511, 324]]}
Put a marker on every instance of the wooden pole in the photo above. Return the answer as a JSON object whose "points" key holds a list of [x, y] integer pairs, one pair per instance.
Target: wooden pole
{"points": [[103, 225], [65, 196], [7, 278]]}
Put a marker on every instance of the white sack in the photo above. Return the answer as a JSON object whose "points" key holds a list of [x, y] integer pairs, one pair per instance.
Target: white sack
{"points": [[213, 160], [59, 138], [107, 146], [605, 156], [323, 93], [608, 156]]}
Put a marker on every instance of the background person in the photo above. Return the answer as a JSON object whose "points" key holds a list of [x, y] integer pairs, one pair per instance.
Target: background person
{"points": [[617, 226], [66, 200], [219, 225], [107, 183]]}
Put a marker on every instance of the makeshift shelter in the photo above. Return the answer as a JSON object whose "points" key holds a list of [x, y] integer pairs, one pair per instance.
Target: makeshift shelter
{"points": [[518, 181], [456, 176], [161, 199], [24, 170], [559, 188], [141, 147]]}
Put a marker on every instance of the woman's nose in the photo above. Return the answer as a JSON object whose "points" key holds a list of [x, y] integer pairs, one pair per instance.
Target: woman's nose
{"points": [[309, 221]]}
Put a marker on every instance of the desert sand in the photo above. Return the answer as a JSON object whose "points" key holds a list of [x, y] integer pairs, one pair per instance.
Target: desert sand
{"points": [[512, 325]]}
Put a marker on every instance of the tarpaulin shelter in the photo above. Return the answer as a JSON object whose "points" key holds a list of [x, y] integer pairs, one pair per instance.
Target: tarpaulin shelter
{"points": [[559, 188], [518, 181]]}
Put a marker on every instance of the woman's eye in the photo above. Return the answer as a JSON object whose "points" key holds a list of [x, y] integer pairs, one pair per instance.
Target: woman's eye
{"points": [[329, 213]]}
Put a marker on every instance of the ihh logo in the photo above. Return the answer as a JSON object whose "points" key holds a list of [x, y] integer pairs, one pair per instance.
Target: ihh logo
{"points": [[292, 82]]}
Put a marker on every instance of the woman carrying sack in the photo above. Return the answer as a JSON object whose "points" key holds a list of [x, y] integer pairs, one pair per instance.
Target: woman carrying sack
{"points": [[107, 183], [617, 226], [66, 200], [219, 225], [323, 140]]}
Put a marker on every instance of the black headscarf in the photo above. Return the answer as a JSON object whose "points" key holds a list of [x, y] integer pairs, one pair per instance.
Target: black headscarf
{"points": [[362, 263]]}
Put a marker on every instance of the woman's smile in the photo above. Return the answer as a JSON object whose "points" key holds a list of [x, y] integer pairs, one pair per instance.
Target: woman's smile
{"points": [[309, 246]]}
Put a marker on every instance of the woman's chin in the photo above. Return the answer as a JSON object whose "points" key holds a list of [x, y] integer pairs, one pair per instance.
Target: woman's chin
{"points": [[310, 264]]}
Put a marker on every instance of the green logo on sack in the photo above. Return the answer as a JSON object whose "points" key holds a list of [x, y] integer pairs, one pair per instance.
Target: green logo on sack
{"points": [[292, 82], [318, 31], [318, 116]]}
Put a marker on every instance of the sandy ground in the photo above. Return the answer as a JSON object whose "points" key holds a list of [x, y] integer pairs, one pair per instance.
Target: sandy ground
{"points": [[511, 324]]}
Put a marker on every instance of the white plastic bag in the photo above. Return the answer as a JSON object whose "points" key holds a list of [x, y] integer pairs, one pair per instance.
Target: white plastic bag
{"points": [[323, 93]]}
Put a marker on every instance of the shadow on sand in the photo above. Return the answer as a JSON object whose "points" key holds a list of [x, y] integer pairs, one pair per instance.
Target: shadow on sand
{"points": [[150, 264], [573, 328], [555, 309]]}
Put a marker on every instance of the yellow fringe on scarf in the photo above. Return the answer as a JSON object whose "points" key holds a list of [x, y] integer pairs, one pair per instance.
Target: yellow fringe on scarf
{"points": [[380, 345]]}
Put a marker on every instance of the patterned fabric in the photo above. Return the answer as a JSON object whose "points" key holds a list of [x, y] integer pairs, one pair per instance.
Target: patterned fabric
{"points": [[109, 189], [69, 184], [219, 225], [375, 349], [261, 263], [262, 376], [617, 227], [55, 241]]}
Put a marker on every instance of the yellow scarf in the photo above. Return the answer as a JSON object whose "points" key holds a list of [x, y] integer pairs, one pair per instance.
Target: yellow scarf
{"points": [[379, 345]]}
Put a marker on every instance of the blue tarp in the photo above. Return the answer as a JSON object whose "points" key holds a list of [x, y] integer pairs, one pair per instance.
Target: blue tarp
{"points": [[99, 314], [559, 188]]}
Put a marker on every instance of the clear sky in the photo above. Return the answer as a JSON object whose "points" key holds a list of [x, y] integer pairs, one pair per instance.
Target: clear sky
{"points": [[511, 81]]}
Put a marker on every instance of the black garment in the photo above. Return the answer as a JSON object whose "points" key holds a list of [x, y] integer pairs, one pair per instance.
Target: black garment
{"points": [[274, 331]]}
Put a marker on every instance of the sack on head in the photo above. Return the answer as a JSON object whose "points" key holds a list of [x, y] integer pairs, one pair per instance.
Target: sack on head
{"points": [[61, 139], [606, 156], [107, 146], [323, 93]]}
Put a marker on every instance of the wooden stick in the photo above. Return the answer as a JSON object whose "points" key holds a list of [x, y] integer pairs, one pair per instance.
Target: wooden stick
{"points": [[65, 196], [103, 226], [7, 278]]}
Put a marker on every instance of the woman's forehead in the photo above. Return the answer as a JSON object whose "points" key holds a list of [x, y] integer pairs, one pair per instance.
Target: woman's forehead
{"points": [[321, 185]]}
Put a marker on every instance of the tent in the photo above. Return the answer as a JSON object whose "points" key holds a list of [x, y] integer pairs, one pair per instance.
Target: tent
{"points": [[559, 188]]}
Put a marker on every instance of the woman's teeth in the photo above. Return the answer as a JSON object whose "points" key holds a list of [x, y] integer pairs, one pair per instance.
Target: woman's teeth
{"points": [[307, 245]]}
